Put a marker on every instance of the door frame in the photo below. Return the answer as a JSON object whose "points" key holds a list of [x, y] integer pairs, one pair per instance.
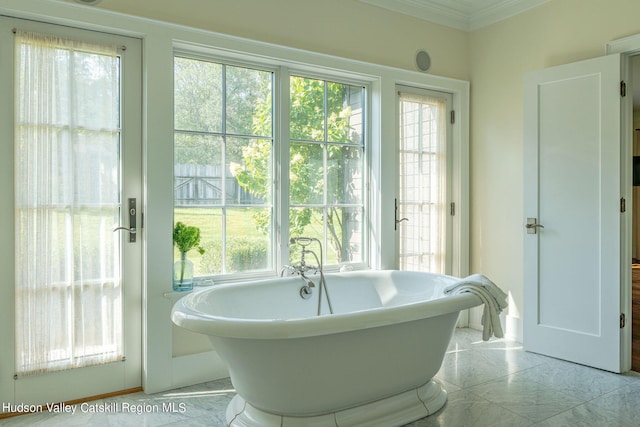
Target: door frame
{"points": [[627, 47]]}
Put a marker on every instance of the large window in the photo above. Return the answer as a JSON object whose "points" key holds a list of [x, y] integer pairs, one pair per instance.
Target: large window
{"points": [[226, 152]]}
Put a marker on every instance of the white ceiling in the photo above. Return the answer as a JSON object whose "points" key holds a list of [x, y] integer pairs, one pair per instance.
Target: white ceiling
{"points": [[464, 15]]}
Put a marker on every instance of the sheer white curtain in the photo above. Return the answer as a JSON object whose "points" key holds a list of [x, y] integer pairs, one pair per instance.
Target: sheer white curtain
{"points": [[68, 307], [423, 182]]}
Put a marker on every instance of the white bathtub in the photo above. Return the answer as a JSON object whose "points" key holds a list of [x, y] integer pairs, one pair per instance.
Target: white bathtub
{"points": [[370, 363]]}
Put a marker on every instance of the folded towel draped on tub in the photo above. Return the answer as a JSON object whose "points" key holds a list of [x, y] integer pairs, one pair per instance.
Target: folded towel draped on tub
{"points": [[494, 299]]}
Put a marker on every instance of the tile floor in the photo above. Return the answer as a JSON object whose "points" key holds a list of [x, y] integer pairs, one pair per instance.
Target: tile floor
{"points": [[492, 383]]}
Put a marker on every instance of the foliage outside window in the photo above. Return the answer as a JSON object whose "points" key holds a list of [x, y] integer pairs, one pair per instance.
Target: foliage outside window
{"points": [[326, 156], [224, 157]]}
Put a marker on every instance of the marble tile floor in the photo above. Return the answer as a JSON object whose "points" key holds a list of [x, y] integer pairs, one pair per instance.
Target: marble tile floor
{"points": [[494, 383]]}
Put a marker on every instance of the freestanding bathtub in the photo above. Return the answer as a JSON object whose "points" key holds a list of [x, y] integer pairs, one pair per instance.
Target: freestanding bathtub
{"points": [[371, 363]]}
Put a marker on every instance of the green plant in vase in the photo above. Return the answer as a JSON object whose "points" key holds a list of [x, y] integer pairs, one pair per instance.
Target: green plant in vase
{"points": [[185, 237]]}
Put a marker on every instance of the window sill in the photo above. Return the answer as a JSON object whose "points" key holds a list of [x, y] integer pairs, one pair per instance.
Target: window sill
{"points": [[199, 284], [175, 295]]}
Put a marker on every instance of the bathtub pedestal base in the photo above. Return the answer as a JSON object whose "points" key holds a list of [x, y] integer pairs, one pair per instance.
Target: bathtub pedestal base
{"points": [[396, 410]]}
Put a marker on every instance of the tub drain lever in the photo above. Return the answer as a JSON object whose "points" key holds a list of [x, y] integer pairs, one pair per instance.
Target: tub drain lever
{"points": [[305, 292]]}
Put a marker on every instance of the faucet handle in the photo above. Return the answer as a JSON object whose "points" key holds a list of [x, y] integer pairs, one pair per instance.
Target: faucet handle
{"points": [[287, 268], [308, 267]]}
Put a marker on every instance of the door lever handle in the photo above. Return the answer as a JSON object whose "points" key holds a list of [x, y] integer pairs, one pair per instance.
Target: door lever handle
{"points": [[532, 226], [535, 225], [132, 221], [130, 230], [398, 221]]}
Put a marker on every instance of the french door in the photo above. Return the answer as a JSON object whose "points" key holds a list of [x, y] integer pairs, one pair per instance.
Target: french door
{"points": [[75, 135], [424, 206]]}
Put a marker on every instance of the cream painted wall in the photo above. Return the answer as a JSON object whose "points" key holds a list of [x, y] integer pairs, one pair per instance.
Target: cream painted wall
{"points": [[344, 28], [558, 32]]}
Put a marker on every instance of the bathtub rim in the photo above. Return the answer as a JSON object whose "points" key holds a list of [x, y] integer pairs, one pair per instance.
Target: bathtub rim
{"points": [[183, 315]]}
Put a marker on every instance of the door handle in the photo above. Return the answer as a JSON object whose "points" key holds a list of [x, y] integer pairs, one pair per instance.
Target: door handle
{"points": [[132, 221], [398, 221], [532, 226], [130, 230]]}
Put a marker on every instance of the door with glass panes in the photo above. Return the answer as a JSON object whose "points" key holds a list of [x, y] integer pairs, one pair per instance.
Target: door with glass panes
{"points": [[423, 207], [76, 140]]}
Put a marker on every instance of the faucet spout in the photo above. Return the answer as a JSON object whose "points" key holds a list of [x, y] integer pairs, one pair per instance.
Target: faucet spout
{"points": [[308, 281]]}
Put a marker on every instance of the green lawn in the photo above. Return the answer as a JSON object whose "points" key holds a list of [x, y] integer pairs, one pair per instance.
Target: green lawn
{"points": [[240, 226], [239, 222], [244, 239]]}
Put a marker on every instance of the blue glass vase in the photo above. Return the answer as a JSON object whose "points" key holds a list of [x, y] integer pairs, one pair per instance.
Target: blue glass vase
{"points": [[183, 274]]}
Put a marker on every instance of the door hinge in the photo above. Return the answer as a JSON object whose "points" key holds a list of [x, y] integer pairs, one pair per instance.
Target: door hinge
{"points": [[452, 209], [453, 116], [623, 88], [623, 205], [623, 320]]}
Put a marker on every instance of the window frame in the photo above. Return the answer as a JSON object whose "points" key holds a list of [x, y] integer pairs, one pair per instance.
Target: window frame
{"points": [[208, 279], [280, 156]]}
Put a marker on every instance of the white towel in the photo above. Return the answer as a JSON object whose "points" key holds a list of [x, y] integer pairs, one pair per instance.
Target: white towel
{"points": [[494, 299]]}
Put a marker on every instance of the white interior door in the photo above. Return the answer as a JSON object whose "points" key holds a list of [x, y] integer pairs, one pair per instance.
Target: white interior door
{"points": [[76, 303], [572, 188]]}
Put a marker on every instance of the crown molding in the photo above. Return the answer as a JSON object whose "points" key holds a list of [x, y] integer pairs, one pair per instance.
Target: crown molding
{"points": [[461, 15]]}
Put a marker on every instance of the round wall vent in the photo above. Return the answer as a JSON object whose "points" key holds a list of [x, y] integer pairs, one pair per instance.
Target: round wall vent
{"points": [[423, 60]]}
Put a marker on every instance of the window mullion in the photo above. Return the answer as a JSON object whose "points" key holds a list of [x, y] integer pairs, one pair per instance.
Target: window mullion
{"points": [[325, 164], [223, 178]]}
